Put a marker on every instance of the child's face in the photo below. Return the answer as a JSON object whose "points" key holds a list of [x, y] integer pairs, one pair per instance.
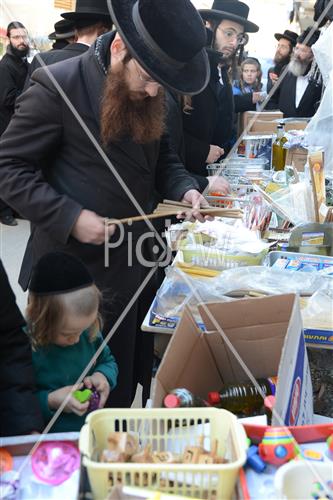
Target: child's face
{"points": [[72, 329], [250, 73]]}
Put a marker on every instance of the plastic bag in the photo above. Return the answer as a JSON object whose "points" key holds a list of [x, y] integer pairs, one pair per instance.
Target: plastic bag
{"points": [[319, 130], [318, 312]]}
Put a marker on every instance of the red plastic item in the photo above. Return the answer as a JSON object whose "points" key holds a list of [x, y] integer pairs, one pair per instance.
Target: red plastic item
{"points": [[278, 446], [302, 434], [171, 401]]}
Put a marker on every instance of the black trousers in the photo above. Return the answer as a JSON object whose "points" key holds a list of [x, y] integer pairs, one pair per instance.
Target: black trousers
{"points": [[132, 348]]}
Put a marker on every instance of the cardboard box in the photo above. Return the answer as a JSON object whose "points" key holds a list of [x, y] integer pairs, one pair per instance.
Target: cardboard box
{"points": [[269, 116], [297, 157], [267, 334]]}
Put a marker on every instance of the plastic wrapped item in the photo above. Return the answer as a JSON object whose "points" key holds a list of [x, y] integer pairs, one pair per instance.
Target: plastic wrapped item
{"points": [[230, 246], [318, 312], [179, 289], [319, 130]]}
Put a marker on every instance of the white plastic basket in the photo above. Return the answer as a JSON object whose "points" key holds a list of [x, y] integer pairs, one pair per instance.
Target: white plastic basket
{"points": [[166, 430]]}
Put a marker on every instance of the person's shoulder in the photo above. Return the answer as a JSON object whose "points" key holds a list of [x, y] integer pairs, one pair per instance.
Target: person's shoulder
{"points": [[59, 72]]}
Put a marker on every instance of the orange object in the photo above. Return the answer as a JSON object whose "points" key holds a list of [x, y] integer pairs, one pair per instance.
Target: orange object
{"points": [[6, 461]]}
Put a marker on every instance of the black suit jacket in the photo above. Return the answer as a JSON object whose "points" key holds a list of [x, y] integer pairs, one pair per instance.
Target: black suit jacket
{"points": [[210, 121], [13, 72], [19, 408], [287, 96], [52, 56], [50, 170]]}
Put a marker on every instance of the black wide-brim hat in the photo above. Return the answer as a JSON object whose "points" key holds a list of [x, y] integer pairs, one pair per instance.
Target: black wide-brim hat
{"points": [[230, 9], [167, 38], [291, 36], [88, 9], [58, 273], [63, 29]]}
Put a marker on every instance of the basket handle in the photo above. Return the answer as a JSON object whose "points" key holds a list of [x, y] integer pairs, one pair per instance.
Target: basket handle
{"points": [[84, 440], [241, 433]]}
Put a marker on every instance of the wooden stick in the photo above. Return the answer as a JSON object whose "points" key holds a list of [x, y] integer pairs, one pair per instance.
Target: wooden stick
{"points": [[159, 215]]}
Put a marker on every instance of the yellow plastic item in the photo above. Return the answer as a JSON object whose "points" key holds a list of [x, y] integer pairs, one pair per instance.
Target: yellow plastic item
{"points": [[166, 430]]}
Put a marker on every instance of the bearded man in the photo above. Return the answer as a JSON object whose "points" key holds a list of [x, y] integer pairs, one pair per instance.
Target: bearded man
{"points": [[284, 49], [208, 120], [13, 72], [300, 91], [87, 144]]}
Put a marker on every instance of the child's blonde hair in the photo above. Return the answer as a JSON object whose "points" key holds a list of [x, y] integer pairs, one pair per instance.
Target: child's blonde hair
{"points": [[45, 313]]}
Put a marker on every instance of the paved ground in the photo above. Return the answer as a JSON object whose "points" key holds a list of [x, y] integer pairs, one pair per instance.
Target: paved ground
{"points": [[13, 241]]}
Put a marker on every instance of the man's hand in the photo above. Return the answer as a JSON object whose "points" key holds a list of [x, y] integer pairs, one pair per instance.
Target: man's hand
{"points": [[101, 384], [219, 184], [215, 152], [90, 228], [274, 77], [56, 398], [197, 200]]}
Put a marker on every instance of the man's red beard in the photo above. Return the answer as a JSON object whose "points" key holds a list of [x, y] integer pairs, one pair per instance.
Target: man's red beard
{"points": [[130, 115]]}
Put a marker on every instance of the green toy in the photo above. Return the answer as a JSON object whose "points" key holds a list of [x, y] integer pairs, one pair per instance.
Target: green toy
{"points": [[83, 396]]}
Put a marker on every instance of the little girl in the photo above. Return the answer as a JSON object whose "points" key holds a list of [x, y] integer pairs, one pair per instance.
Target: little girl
{"points": [[64, 328]]}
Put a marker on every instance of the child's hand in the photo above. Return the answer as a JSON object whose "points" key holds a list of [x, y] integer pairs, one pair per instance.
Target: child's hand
{"points": [[101, 384], [56, 398]]}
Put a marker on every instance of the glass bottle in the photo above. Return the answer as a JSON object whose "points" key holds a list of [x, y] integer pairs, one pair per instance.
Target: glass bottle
{"points": [[279, 152]]}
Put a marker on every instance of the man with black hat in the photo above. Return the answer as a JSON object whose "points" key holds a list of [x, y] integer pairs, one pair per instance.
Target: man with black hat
{"points": [[208, 124], [300, 91], [90, 19], [63, 34], [92, 147], [284, 49]]}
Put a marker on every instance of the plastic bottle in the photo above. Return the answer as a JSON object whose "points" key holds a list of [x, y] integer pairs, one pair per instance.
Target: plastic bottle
{"points": [[182, 398], [244, 398], [279, 152]]}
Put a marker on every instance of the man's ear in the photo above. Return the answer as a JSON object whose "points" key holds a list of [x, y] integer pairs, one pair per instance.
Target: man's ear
{"points": [[117, 49]]}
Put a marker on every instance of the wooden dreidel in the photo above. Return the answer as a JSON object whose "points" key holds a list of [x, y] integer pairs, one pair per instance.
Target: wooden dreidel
{"points": [[192, 453], [143, 457], [165, 457], [121, 446]]}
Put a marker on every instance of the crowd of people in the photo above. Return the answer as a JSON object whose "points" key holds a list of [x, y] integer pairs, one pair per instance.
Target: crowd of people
{"points": [[128, 107]]}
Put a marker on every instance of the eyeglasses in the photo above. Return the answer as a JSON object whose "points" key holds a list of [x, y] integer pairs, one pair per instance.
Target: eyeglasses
{"points": [[146, 79], [241, 38]]}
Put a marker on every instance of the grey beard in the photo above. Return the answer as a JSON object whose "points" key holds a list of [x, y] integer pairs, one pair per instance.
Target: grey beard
{"points": [[298, 68]]}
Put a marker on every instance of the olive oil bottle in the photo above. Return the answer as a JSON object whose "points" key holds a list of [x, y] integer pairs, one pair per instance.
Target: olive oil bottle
{"points": [[279, 152]]}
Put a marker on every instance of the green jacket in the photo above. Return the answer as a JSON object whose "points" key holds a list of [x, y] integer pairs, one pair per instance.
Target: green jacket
{"points": [[57, 367]]}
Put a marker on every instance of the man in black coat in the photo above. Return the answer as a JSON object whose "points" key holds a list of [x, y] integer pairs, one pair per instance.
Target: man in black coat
{"points": [[13, 72], [284, 49], [63, 34], [90, 19], [300, 91], [19, 409], [208, 126], [92, 147]]}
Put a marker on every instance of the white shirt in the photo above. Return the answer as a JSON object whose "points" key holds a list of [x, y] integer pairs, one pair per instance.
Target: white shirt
{"points": [[301, 85]]}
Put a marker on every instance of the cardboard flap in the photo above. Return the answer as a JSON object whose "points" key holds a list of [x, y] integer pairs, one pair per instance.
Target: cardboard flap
{"points": [[251, 330], [187, 361]]}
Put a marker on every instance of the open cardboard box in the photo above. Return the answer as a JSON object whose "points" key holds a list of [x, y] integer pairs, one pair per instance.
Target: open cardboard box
{"points": [[268, 335]]}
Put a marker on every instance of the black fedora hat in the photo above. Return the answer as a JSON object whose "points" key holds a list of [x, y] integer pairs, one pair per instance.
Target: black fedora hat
{"points": [[306, 40], [63, 29], [232, 10], [168, 39], [87, 9], [291, 36]]}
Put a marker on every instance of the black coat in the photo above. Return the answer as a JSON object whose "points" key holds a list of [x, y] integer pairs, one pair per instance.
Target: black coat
{"points": [[175, 130], [13, 72], [19, 409], [210, 121], [287, 95], [52, 56], [50, 171]]}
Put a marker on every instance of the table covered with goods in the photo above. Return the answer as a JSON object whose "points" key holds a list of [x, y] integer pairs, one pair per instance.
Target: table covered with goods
{"points": [[242, 401]]}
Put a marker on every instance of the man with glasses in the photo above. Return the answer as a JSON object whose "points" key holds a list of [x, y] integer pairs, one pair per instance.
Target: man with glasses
{"points": [[208, 123], [93, 148], [13, 72]]}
